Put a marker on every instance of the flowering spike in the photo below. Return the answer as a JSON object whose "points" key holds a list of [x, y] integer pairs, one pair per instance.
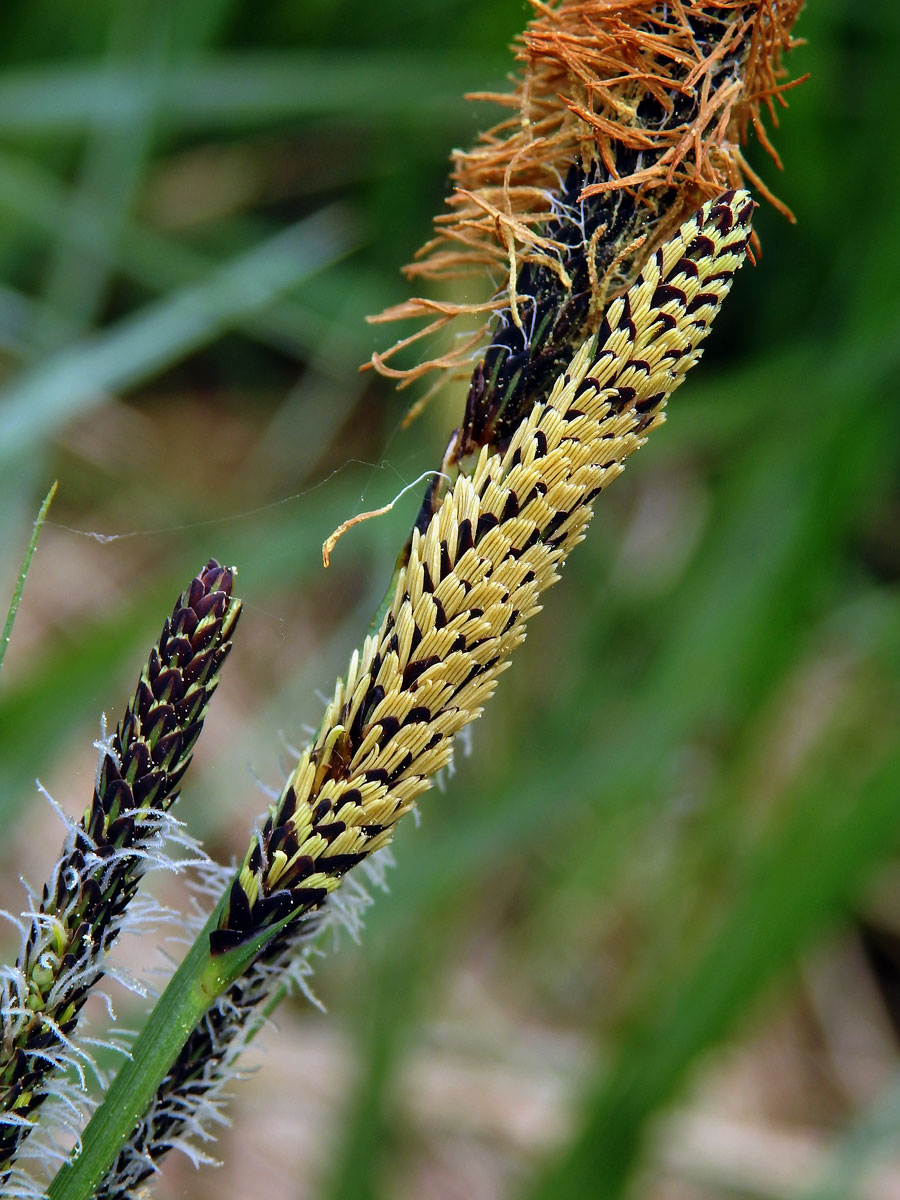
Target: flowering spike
{"points": [[474, 576]]}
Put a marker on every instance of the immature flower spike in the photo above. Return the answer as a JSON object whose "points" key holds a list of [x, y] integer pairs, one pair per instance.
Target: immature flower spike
{"points": [[474, 576], [65, 940]]}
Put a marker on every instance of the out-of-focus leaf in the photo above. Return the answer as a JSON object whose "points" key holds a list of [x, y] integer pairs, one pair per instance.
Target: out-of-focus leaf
{"points": [[801, 876], [162, 333], [246, 89]]}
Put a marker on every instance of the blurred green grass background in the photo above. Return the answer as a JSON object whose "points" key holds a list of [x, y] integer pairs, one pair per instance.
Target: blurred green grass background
{"points": [[648, 939]]}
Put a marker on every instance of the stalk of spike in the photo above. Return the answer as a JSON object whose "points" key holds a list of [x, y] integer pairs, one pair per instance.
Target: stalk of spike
{"points": [[65, 940], [473, 578]]}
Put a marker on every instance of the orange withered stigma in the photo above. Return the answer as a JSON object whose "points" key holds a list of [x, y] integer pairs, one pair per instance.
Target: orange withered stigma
{"points": [[626, 116]]}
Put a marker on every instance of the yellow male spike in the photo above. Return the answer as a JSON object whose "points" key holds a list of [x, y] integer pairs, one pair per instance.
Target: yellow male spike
{"points": [[474, 577]]}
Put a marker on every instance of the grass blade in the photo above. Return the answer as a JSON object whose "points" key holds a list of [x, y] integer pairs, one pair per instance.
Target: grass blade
{"points": [[163, 332], [806, 871], [26, 564]]}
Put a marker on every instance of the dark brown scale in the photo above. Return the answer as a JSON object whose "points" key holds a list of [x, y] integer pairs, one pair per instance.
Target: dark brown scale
{"points": [[722, 217], [274, 908], [415, 639], [666, 293], [644, 406], [331, 831], [240, 916], [666, 320], [625, 321], [374, 697], [622, 398], [389, 726], [701, 300], [420, 715], [287, 805], [306, 898], [687, 267], [340, 864], [322, 809], [303, 867], [702, 246], [400, 770], [486, 522], [418, 667]]}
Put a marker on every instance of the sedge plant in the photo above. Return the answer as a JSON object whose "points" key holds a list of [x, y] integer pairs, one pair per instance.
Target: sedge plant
{"points": [[605, 220]]}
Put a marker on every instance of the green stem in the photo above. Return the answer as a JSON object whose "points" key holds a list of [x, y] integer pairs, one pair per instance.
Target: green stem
{"points": [[20, 582], [200, 979]]}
